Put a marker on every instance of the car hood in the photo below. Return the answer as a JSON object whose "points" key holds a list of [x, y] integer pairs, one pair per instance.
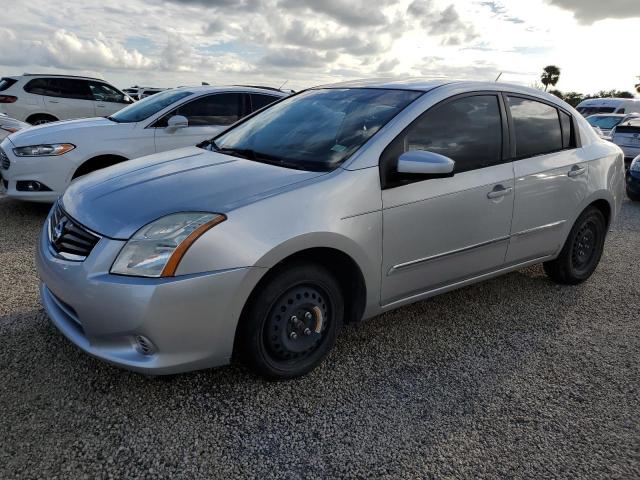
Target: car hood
{"points": [[119, 200], [64, 131]]}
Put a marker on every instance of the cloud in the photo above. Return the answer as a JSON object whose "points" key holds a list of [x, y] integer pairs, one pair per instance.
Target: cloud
{"points": [[354, 13], [589, 11], [297, 58], [445, 23]]}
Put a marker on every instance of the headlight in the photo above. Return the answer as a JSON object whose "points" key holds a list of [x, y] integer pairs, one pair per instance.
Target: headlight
{"points": [[156, 249], [44, 150], [635, 165]]}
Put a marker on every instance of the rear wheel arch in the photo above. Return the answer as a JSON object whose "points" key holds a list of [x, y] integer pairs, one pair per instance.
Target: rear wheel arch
{"points": [[97, 163]]}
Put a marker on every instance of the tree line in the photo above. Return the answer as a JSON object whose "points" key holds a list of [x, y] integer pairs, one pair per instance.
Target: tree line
{"points": [[551, 75]]}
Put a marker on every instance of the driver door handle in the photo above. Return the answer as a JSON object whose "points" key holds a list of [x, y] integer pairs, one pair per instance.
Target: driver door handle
{"points": [[499, 191], [576, 170]]}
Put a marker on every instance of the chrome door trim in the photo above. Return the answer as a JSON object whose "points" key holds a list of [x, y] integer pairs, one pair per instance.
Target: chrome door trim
{"points": [[538, 229], [461, 283], [411, 263]]}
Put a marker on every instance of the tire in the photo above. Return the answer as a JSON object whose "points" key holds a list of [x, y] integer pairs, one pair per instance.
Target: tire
{"points": [[41, 119], [582, 250], [291, 322], [632, 196]]}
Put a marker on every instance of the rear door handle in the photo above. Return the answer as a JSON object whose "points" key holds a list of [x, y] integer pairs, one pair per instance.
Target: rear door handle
{"points": [[499, 191], [576, 170]]}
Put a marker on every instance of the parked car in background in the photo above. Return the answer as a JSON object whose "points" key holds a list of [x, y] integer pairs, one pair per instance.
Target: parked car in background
{"points": [[39, 163], [262, 242], [608, 105], [38, 99], [10, 125], [633, 180], [627, 136], [138, 93], [604, 123]]}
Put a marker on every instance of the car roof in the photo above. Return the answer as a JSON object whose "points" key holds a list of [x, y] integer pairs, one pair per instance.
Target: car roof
{"points": [[427, 84], [59, 76], [231, 88]]}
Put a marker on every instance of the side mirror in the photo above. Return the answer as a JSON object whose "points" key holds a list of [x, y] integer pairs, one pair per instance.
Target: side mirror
{"points": [[176, 122], [423, 162]]}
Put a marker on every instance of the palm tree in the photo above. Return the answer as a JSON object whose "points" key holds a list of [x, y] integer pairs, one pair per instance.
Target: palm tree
{"points": [[550, 76]]}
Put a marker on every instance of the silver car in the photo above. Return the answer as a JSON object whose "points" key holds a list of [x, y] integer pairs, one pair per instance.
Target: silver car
{"points": [[328, 207]]}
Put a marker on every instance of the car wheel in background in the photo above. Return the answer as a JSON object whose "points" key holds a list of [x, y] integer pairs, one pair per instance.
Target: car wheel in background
{"points": [[632, 196], [582, 250], [41, 119], [291, 321]]}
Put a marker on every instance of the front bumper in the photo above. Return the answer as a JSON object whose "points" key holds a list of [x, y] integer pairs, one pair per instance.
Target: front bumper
{"points": [[190, 320], [54, 172], [633, 183]]}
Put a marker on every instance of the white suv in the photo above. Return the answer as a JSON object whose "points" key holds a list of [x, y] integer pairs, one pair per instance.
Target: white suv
{"points": [[38, 99], [39, 163]]}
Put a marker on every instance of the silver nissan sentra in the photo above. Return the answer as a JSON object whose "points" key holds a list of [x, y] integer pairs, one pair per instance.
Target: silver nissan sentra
{"points": [[330, 206]]}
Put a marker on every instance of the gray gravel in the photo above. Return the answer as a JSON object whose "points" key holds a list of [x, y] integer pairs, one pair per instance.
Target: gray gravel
{"points": [[512, 378]]}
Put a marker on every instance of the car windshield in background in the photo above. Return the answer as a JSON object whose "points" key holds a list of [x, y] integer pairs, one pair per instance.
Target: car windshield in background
{"points": [[148, 106], [586, 111], [605, 121], [314, 130]]}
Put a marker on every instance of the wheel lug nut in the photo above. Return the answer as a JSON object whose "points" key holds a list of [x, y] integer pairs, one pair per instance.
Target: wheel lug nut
{"points": [[308, 316], [307, 332], [293, 335]]}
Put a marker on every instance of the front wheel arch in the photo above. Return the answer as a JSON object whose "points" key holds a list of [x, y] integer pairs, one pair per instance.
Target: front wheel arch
{"points": [[97, 163]]}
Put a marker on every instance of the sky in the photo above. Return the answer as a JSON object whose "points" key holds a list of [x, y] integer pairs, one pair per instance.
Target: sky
{"points": [[304, 43]]}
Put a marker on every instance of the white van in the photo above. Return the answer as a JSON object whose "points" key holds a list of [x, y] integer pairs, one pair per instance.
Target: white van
{"points": [[608, 105]]}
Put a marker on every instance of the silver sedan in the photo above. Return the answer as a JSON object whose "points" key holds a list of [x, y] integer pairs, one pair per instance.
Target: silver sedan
{"points": [[328, 207]]}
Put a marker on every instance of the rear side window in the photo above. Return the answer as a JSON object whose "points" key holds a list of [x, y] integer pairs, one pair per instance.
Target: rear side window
{"points": [[60, 87], [568, 135], [6, 83], [259, 101], [537, 127], [218, 109]]}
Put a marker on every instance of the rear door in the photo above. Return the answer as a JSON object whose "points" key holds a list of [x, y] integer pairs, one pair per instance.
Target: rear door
{"points": [[438, 231], [64, 98], [551, 177], [107, 100], [207, 116]]}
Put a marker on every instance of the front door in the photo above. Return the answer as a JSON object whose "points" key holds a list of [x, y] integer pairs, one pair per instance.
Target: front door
{"points": [[106, 99], [207, 116], [440, 231]]}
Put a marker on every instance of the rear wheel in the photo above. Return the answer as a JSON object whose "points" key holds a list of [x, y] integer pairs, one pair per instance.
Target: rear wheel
{"points": [[41, 119], [292, 322], [582, 250]]}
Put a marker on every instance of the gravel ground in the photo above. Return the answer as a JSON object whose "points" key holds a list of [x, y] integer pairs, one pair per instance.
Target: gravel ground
{"points": [[512, 378]]}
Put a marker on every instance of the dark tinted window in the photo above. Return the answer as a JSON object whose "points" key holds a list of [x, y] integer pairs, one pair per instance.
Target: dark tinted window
{"points": [[537, 127], [60, 87], [568, 137], [258, 101], [468, 130], [6, 83], [219, 109]]}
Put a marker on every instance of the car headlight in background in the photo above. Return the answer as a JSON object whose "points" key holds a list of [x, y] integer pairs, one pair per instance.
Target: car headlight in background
{"points": [[44, 150], [157, 248], [635, 165]]}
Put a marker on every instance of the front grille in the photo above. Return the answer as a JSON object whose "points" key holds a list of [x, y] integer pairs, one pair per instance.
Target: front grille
{"points": [[67, 238], [4, 160]]}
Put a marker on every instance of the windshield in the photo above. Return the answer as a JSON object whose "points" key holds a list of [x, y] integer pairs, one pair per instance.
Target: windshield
{"points": [[604, 121], [148, 106], [314, 130], [586, 111]]}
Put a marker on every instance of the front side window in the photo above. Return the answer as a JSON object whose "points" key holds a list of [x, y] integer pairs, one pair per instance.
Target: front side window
{"points": [[537, 127], [218, 109], [148, 106], [315, 130], [105, 93]]}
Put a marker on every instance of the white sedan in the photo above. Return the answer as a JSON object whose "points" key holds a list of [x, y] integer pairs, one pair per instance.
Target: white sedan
{"points": [[39, 163]]}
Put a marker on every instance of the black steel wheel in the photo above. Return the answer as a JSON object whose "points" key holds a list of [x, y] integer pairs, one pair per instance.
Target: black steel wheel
{"points": [[291, 322], [582, 250]]}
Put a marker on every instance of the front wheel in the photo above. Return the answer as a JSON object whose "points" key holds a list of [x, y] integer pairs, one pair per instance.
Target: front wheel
{"points": [[290, 325], [582, 250]]}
